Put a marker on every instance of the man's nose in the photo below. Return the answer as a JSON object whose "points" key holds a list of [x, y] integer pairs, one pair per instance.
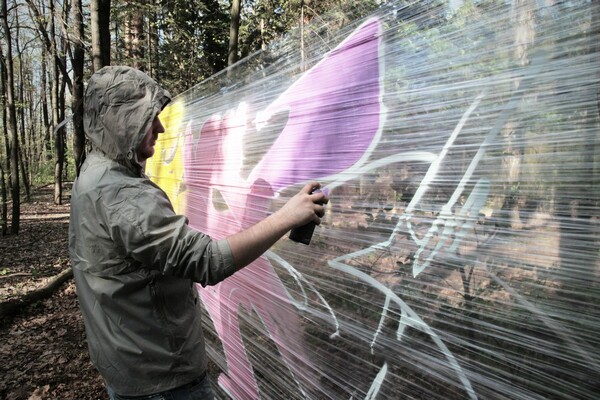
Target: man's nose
{"points": [[159, 128]]}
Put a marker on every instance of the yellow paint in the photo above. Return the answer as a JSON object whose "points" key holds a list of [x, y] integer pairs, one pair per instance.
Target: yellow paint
{"points": [[166, 167]]}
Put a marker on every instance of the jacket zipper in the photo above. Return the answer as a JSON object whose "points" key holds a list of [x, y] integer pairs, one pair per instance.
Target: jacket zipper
{"points": [[160, 309]]}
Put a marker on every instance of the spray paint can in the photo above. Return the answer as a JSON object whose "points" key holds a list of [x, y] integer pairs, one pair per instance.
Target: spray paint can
{"points": [[304, 233]]}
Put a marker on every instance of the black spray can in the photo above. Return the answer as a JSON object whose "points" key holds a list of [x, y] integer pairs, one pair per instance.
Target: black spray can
{"points": [[303, 234]]}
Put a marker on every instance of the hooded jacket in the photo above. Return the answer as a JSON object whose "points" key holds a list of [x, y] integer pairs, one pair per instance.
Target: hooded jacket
{"points": [[134, 260]]}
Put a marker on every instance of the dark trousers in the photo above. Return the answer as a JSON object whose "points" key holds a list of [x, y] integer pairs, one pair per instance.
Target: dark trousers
{"points": [[197, 390]]}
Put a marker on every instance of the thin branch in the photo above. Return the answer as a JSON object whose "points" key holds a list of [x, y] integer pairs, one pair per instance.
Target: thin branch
{"points": [[46, 40]]}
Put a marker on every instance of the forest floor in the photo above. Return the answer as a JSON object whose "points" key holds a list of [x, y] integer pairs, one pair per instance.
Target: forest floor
{"points": [[43, 349]]}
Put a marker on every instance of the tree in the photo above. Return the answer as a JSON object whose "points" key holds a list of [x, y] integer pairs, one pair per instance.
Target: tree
{"points": [[152, 41], [135, 34], [57, 111], [77, 62], [11, 122], [44, 36], [59, 70], [21, 114], [3, 199], [193, 42], [3, 192], [263, 22], [232, 54], [100, 25], [44, 97]]}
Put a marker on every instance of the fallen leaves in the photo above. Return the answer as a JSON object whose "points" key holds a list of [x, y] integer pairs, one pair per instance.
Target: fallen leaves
{"points": [[43, 352], [46, 346], [40, 393]]}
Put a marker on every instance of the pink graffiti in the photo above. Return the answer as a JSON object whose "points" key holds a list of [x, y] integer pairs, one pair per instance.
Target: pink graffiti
{"points": [[333, 122]]}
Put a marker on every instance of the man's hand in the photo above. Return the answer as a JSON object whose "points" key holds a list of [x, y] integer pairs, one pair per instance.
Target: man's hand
{"points": [[306, 206]]}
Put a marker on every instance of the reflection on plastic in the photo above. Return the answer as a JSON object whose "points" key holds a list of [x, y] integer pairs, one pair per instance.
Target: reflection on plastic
{"points": [[458, 257]]}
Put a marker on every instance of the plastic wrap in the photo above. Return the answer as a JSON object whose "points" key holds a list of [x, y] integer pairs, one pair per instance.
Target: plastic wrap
{"points": [[458, 257]]}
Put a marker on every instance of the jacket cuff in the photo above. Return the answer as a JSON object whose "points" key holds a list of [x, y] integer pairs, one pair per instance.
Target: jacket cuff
{"points": [[226, 258]]}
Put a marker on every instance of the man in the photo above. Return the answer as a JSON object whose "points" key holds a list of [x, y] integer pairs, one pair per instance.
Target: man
{"points": [[135, 260]]}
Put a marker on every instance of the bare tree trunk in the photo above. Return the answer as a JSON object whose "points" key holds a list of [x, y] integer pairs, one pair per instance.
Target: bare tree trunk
{"points": [[135, 35], [152, 43], [263, 42], [234, 29], [57, 113], [32, 149], [302, 55], [524, 13], [100, 24], [6, 136], [65, 49], [45, 106], [21, 116], [77, 101], [12, 124], [24, 171], [3, 194]]}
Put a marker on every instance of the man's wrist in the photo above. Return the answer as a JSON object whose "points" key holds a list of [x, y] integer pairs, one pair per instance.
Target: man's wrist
{"points": [[280, 222]]}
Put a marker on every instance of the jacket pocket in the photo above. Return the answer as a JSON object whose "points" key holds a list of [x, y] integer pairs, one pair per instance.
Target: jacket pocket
{"points": [[161, 310]]}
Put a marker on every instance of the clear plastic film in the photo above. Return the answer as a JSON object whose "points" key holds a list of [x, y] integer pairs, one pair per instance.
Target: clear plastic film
{"points": [[458, 257]]}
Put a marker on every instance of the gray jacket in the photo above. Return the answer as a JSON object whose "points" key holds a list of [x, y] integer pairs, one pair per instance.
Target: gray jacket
{"points": [[135, 261]]}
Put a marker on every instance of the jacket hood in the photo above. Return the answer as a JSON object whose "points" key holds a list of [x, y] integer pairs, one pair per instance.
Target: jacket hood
{"points": [[120, 104]]}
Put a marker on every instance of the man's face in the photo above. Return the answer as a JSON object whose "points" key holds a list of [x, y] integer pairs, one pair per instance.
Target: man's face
{"points": [[146, 149]]}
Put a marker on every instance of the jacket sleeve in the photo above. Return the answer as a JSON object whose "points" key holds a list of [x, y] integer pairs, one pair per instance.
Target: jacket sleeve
{"points": [[143, 222]]}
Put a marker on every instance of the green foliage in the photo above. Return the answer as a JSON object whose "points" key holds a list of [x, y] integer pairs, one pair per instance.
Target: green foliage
{"points": [[43, 173], [263, 21], [193, 39]]}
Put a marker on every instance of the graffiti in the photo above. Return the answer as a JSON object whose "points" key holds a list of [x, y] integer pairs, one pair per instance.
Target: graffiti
{"points": [[432, 276]]}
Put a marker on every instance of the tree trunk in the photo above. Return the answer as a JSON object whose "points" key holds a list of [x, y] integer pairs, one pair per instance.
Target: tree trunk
{"points": [[100, 24], [302, 54], [12, 123], [152, 43], [135, 35], [3, 194], [24, 171], [3, 79], [45, 106], [234, 29], [33, 148], [65, 49], [23, 145], [77, 101], [524, 12], [55, 111], [263, 41]]}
